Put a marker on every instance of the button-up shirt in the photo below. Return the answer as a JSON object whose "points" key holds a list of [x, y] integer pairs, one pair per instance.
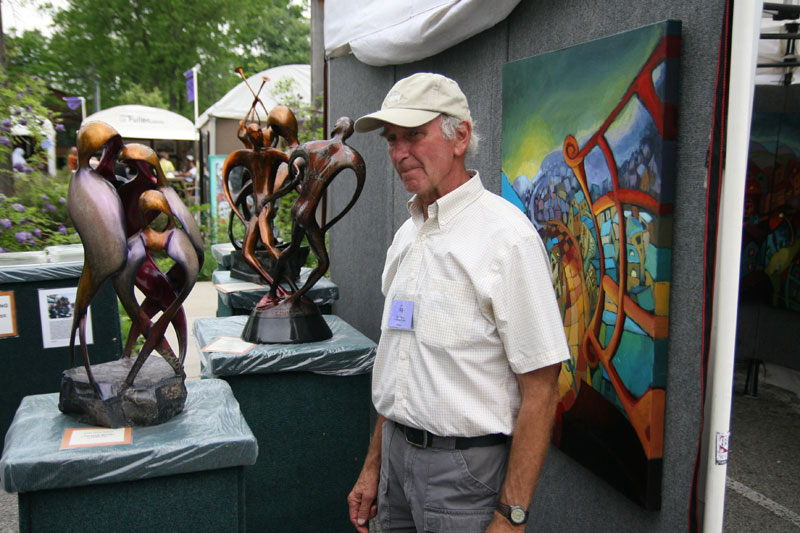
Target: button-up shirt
{"points": [[484, 310]]}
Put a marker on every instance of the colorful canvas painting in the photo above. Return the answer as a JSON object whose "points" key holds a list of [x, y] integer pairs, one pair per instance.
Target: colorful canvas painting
{"points": [[589, 137], [770, 266]]}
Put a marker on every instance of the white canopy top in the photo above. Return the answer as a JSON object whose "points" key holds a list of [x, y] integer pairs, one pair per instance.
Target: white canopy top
{"points": [[143, 122], [390, 33], [774, 50], [236, 103]]}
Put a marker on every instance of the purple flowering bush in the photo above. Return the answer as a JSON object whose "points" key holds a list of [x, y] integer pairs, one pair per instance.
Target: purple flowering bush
{"points": [[33, 214], [37, 216]]}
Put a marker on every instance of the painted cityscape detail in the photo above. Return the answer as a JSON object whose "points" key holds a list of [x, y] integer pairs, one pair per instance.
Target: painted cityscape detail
{"points": [[589, 138]]}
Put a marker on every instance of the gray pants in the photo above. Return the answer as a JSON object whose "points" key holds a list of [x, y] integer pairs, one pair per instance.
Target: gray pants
{"points": [[437, 490]]}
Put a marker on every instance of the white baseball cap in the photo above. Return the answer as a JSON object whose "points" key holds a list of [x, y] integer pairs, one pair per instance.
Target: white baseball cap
{"points": [[416, 100]]}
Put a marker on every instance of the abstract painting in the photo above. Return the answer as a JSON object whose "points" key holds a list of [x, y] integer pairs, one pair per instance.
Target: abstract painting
{"points": [[589, 135], [770, 266]]}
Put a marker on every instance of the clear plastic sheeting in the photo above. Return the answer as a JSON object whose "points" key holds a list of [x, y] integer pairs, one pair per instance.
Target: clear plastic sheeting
{"points": [[222, 254], [41, 272], [210, 433], [323, 292], [347, 353]]}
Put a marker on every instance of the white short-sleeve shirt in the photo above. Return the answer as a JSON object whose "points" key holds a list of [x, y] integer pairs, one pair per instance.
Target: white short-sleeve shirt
{"points": [[484, 309]]}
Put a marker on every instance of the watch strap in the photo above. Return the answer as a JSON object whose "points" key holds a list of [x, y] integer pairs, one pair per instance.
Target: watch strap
{"points": [[510, 510]]}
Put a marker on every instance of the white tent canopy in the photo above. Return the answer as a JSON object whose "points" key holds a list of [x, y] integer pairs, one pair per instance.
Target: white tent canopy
{"points": [[143, 122], [236, 103], [390, 33]]}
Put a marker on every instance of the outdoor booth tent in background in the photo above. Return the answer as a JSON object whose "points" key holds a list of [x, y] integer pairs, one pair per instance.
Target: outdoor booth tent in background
{"points": [[48, 143], [218, 123], [160, 129]]}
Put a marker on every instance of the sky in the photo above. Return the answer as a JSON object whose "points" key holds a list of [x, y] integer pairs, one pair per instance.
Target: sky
{"points": [[24, 15]]}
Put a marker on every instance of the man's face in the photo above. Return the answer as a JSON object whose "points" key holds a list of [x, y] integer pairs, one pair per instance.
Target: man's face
{"points": [[422, 157]]}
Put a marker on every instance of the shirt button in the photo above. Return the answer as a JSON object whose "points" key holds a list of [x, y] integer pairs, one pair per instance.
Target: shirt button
{"points": [[403, 356], [412, 276]]}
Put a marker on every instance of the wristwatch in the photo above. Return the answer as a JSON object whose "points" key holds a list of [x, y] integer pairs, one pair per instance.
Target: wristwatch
{"points": [[516, 515]]}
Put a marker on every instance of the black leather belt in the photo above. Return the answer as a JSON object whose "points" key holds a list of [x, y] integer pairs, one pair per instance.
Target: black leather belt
{"points": [[426, 439]]}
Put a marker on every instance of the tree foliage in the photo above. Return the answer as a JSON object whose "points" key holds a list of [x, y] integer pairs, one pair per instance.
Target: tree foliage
{"points": [[114, 45], [136, 94]]}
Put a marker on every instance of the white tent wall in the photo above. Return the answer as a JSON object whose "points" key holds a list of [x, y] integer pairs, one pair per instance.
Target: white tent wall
{"points": [[569, 497]]}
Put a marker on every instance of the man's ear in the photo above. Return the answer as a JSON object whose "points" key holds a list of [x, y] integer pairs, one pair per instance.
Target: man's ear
{"points": [[462, 136]]}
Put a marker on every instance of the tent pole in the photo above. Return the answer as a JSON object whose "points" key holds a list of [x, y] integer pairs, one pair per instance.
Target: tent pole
{"points": [[744, 52]]}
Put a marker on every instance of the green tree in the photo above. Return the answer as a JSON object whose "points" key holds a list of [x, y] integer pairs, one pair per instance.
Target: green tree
{"points": [[115, 44], [136, 94]]}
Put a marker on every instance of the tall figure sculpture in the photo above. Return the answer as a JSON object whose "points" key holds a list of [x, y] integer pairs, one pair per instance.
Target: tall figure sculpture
{"points": [[263, 170], [113, 218], [312, 168]]}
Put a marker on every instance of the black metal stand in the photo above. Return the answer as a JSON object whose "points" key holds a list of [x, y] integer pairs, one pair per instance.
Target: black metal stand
{"points": [[287, 323]]}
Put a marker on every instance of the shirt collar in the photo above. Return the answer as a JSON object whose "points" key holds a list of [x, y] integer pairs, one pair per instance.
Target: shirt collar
{"points": [[449, 205]]}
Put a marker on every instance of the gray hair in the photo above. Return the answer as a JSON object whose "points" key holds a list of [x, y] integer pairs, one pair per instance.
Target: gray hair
{"points": [[450, 124]]}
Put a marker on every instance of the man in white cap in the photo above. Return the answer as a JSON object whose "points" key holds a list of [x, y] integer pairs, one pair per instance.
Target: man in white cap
{"points": [[465, 379]]}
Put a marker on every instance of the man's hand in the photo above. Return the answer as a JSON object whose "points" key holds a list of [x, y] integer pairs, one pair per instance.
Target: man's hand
{"points": [[362, 500]]}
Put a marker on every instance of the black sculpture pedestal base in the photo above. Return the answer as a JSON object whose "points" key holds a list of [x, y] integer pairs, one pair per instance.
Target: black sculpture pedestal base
{"points": [[157, 394], [287, 323], [241, 270]]}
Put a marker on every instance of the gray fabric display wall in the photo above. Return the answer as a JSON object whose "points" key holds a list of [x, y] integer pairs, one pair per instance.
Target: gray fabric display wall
{"points": [[569, 497]]}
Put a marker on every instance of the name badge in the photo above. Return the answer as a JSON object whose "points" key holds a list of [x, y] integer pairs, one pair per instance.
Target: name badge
{"points": [[401, 314]]}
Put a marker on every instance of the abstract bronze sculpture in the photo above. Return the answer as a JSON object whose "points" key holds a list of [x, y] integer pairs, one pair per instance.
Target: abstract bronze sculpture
{"points": [[285, 314], [312, 168], [113, 216]]}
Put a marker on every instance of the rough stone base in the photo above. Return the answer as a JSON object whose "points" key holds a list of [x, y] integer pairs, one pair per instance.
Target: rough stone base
{"points": [[156, 396]]}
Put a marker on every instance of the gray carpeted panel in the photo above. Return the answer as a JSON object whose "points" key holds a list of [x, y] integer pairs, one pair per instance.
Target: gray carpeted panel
{"points": [[569, 498]]}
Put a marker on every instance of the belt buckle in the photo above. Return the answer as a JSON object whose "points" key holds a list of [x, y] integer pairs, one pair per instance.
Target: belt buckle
{"points": [[424, 437]]}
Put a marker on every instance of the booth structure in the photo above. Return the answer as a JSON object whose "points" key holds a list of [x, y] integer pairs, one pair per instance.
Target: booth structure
{"points": [[186, 474], [308, 405], [37, 352]]}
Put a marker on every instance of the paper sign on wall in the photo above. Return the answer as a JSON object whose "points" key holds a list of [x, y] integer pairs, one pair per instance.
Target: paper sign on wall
{"points": [[56, 307], [8, 315]]}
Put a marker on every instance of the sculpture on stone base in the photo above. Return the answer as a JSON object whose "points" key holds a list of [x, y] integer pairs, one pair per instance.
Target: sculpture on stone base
{"points": [[113, 216]]}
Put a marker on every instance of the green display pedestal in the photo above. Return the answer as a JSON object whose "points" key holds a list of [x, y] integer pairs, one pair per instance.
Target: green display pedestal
{"points": [[184, 475], [313, 430], [200, 501], [241, 301], [28, 367]]}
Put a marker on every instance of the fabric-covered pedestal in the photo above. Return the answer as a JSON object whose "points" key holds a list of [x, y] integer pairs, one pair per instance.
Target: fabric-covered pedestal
{"points": [[186, 474], [309, 407]]}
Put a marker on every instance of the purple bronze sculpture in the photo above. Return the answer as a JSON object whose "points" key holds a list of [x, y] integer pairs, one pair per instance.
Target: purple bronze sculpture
{"points": [[113, 217]]}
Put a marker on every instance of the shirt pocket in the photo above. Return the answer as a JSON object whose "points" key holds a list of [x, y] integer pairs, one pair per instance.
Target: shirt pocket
{"points": [[449, 315]]}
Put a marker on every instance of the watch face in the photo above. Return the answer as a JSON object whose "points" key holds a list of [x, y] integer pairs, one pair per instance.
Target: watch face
{"points": [[517, 515]]}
